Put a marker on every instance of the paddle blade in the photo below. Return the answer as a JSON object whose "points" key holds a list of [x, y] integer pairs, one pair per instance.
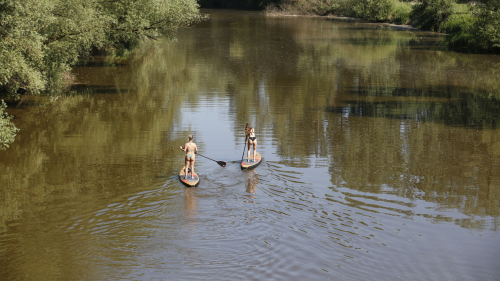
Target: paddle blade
{"points": [[221, 163]]}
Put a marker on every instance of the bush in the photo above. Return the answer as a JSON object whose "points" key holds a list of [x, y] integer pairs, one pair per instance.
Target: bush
{"points": [[325, 7], [479, 28], [460, 28], [401, 13], [374, 10], [487, 27], [430, 14], [458, 22], [7, 128]]}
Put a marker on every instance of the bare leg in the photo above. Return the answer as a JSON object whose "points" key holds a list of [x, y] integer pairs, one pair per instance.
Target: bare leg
{"points": [[249, 147], [186, 168], [192, 168], [254, 149]]}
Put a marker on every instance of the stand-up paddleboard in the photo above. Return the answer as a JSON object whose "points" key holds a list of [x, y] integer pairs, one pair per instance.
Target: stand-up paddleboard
{"points": [[248, 163], [190, 182]]}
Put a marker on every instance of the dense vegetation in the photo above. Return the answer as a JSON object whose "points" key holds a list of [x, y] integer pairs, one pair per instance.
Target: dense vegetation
{"points": [[7, 129], [237, 4], [41, 40], [469, 24]]}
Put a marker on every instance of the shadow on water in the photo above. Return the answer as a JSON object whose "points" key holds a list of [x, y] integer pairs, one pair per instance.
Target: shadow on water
{"points": [[448, 107], [24, 103], [84, 89], [102, 63], [430, 42], [28, 101], [365, 41]]}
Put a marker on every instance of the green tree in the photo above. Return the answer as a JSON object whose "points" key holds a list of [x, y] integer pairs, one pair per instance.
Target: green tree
{"points": [[41, 40], [430, 14], [374, 10], [7, 128], [21, 45], [488, 24]]}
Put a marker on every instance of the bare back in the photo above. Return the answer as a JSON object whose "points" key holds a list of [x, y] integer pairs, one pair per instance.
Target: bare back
{"points": [[191, 148]]}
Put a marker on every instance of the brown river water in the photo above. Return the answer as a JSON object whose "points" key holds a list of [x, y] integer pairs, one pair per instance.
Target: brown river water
{"points": [[381, 160]]}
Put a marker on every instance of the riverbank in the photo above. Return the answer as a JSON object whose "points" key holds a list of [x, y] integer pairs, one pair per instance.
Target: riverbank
{"points": [[347, 19], [474, 25]]}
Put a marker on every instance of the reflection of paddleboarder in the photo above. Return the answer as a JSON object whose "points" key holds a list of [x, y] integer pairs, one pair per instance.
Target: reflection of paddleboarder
{"points": [[252, 141], [252, 182], [191, 149], [190, 207]]}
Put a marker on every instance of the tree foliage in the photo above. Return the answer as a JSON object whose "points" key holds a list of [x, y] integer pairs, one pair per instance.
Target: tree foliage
{"points": [[430, 14], [41, 40], [237, 4], [488, 24], [7, 128], [374, 10]]}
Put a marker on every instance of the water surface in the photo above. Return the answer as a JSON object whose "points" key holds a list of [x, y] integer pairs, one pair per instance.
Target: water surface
{"points": [[381, 158]]}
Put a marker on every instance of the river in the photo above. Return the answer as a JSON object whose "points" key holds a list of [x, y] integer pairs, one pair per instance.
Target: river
{"points": [[381, 159]]}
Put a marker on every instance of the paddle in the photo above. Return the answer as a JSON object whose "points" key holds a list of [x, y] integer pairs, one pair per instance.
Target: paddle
{"points": [[221, 163], [244, 146]]}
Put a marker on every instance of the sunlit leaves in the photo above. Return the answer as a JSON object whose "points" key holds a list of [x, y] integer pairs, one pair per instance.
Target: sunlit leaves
{"points": [[7, 128], [41, 40], [488, 25], [21, 45]]}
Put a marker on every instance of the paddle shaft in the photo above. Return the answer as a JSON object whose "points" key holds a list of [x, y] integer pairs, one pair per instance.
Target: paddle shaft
{"points": [[206, 157], [221, 163], [244, 146]]}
